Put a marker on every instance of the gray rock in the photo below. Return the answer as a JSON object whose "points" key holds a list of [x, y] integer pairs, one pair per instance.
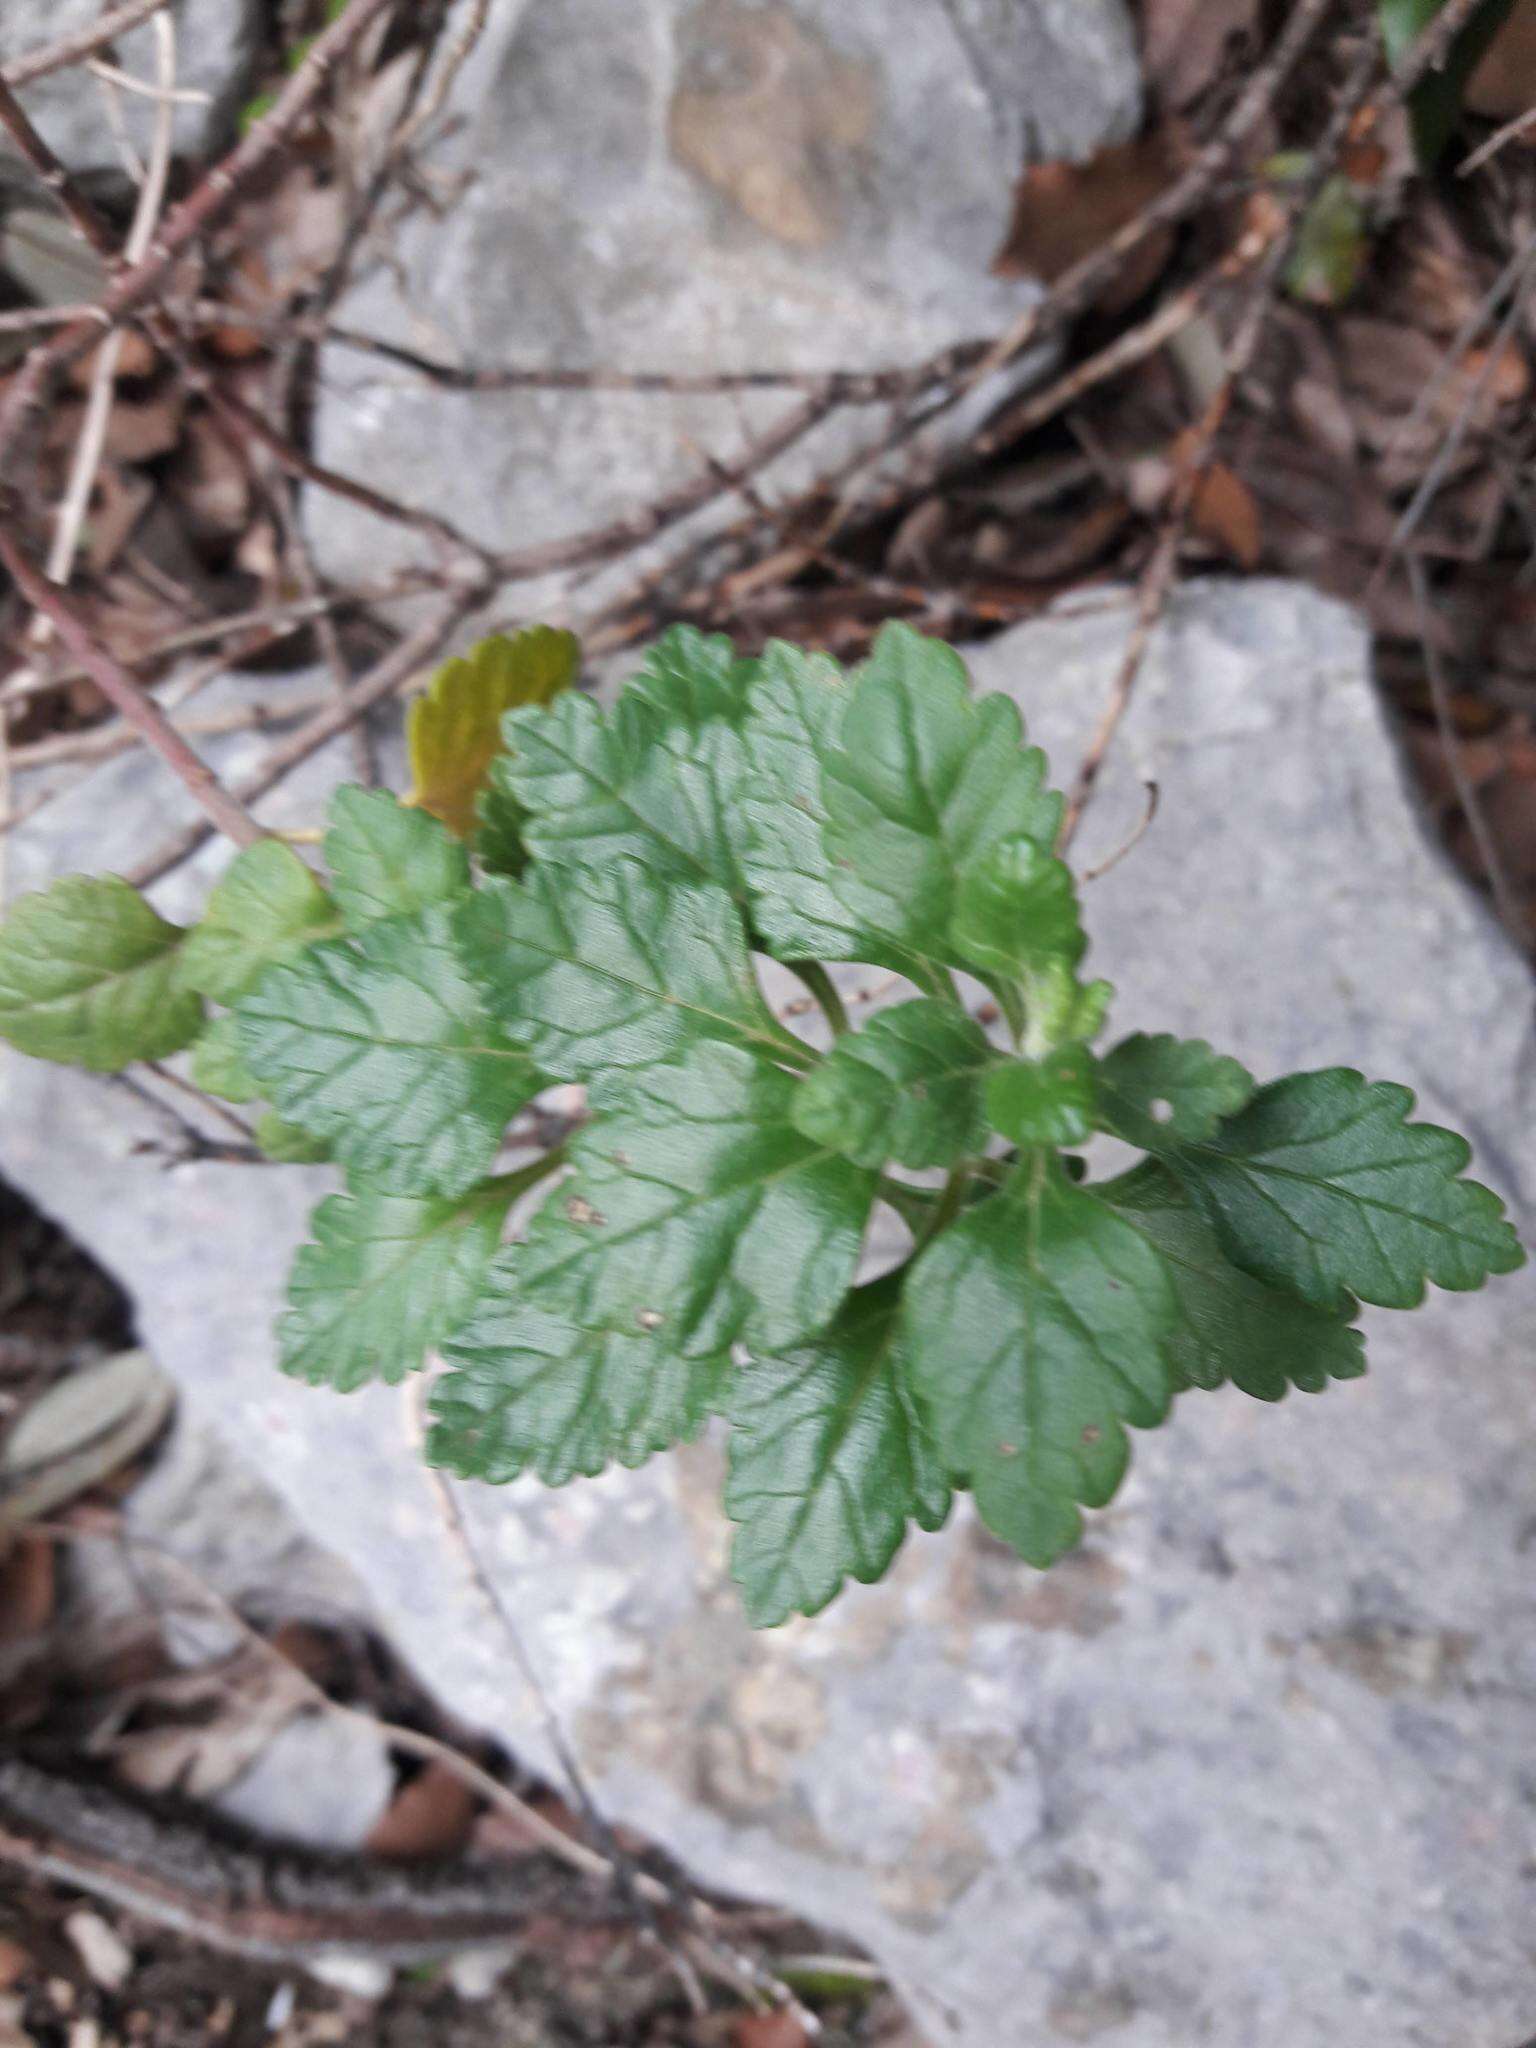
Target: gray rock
{"points": [[699, 185], [215, 42], [1254, 1765]]}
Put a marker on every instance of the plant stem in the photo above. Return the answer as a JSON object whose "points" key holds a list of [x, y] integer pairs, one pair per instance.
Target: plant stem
{"points": [[913, 1205], [948, 1206], [823, 988]]}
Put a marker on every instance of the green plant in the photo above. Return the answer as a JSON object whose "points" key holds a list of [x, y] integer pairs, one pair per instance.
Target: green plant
{"points": [[698, 1252]]}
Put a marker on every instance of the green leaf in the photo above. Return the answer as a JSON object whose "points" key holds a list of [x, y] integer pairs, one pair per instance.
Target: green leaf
{"points": [[1036, 1327], [1016, 911], [218, 1064], [90, 976], [907, 1087], [924, 783], [383, 1044], [699, 1213], [656, 779], [1050, 1101], [529, 1391], [1322, 1186], [795, 708], [828, 1463], [453, 730], [1153, 1089], [1231, 1327], [1434, 106], [288, 1144], [386, 1280], [387, 860], [267, 907], [613, 968]]}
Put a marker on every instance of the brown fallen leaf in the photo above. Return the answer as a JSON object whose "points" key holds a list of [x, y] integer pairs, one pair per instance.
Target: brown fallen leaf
{"points": [[769, 2030], [1185, 44], [1063, 212], [1504, 84], [1225, 511], [15, 1962], [431, 1815], [216, 1722]]}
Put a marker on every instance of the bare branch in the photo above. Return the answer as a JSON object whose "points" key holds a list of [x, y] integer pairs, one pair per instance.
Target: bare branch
{"points": [[225, 813], [85, 43]]}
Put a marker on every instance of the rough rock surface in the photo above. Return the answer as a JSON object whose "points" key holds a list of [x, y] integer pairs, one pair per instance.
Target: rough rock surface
{"points": [[1254, 1765], [699, 185], [214, 44]]}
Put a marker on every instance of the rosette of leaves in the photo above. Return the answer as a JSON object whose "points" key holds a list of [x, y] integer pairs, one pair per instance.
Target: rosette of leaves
{"points": [[590, 902]]}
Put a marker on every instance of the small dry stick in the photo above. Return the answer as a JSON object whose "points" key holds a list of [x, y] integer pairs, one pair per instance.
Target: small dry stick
{"points": [[78, 210], [98, 407], [1160, 574], [74, 49], [224, 812], [199, 213], [393, 673]]}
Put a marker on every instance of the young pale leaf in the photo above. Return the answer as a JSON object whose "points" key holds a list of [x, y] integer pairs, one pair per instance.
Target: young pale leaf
{"points": [[288, 1144], [267, 908], [1051, 1101], [89, 975], [925, 782], [1231, 1327], [387, 860], [656, 779], [1035, 1328], [698, 1213], [530, 1391], [828, 1463], [907, 1087], [387, 1278], [218, 1065], [453, 730], [1016, 911], [1322, 1186], [613, 967], [1152, 1089], [383, 1044]]}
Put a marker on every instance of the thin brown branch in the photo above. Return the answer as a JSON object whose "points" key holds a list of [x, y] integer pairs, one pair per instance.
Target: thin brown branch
{"points": [[1161, 573], [843, 387], [224, 812], [53, 177], [398, 669], [74, 49], [204, 208], [1082, 283], [104, 742]]}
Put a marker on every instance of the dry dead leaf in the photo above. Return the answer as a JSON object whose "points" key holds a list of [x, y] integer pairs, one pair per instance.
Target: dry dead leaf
{"points": [[1063, 212], [136, 358], [228, 1712], [431, 1815], [1225, 511], [1504, 84], [769, 2030], [1185, 43], [28, 1588]]}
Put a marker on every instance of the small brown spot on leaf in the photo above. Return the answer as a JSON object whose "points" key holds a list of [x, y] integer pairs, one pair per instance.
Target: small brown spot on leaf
{"points": [[580, 1210]]}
